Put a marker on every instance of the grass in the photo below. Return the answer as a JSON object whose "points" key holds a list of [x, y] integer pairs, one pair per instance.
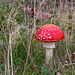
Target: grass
{"points": [[27, 53]]}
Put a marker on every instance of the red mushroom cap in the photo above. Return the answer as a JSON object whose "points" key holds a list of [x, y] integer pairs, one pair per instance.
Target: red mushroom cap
{"points": [[49, 33]]}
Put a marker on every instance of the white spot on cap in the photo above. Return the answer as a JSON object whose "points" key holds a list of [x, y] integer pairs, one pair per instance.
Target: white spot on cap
{"points": [[41, 35], [50, 37], [43, 38], [42, 32], [39, 38], [48, 34]]}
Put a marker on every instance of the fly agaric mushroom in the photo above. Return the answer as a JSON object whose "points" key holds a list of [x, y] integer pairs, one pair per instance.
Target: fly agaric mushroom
{"points": [[49, 34]]}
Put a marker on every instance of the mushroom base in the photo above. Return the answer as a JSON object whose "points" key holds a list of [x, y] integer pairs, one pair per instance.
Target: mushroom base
{"points": [[49, 45]]}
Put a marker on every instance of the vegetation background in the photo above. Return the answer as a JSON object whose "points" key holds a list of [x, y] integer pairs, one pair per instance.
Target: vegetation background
{"points": [[20, 53]]}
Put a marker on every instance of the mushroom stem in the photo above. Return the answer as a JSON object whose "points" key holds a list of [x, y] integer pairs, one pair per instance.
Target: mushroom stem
{"points": [[49, 56], [49, 51]]}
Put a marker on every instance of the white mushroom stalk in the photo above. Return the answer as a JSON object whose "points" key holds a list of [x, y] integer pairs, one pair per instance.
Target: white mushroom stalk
{"points": [[49, 51]]}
